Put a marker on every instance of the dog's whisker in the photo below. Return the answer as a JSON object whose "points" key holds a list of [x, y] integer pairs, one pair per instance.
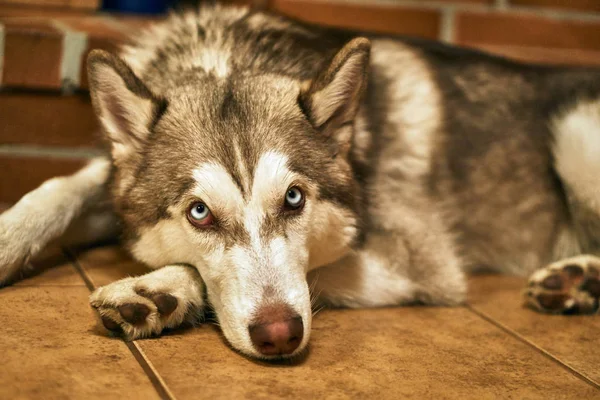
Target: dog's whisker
{"points": [[318, 310]]}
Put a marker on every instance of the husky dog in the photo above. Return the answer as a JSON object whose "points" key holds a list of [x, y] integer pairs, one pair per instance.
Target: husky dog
{"points": [[262, 164]]}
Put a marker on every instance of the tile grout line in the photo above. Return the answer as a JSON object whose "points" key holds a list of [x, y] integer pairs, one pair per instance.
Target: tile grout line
{"points": [[75, 263], [531, 344], [160, 385], [155, 379]]}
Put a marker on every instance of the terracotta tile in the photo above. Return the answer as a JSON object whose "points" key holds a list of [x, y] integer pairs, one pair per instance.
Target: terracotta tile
{"points": [[525, 30], [437, 351], [51, 348], [32, 54], [47, 119], [572, 339], [544, 55], [108, 264], [586, 5], [19, 175], [386, 353], [385, 19]]}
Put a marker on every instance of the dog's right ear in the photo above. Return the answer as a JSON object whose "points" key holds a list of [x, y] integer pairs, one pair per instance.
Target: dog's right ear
{"points": [[125, 106]]}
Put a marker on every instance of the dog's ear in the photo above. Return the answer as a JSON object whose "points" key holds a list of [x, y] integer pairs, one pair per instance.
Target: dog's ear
{"points": [[333, 98], [125, 106]]}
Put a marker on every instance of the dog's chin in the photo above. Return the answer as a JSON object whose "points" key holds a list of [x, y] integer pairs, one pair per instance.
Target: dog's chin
{"points": [[297, 357], [246, 349]]}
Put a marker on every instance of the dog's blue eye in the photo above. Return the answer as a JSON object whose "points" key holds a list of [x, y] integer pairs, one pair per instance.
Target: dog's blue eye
{"points": [[294, 198], [199, 211], [199, 215]]}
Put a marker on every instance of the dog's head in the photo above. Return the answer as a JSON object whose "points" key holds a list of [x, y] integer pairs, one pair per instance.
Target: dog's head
{"points": [[245, 177]]}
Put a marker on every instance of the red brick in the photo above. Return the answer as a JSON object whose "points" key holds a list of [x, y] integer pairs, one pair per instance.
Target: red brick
{"points": [[384, 19], [246, 2], [460, 1], [46, 119], [134, 24], [101, 35], [585, 5], [69, 4], [524, 30], [50, 12], [32, 54], [19, 175], [544, 55]]}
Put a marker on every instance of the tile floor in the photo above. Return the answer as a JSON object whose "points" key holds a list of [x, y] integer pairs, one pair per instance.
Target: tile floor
{"points": [[53, 347]]}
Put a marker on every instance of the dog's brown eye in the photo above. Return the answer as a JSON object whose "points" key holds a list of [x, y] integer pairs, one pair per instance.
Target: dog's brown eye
{"points": [[199, 215], [294, 198]]}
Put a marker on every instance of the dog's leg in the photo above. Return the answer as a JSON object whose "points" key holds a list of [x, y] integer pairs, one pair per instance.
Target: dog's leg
{"points": [[143, 306], [569, 286], [572, 285], [46, 213], [392, 270]]}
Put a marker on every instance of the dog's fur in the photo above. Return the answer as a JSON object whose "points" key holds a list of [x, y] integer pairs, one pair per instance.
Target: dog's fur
{"points": [[418, 162]]}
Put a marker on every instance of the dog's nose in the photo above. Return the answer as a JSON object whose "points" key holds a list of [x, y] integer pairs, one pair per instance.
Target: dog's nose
{"points": [[276, 333]]}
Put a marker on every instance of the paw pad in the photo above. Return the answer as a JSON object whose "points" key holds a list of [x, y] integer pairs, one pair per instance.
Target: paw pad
{"points": [[165, 303], [566, 287], [134, 313], [111, 325], [134, 316]]}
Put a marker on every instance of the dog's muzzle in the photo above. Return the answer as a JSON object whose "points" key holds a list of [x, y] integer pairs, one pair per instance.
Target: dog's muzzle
{"points": [[276, 330]]}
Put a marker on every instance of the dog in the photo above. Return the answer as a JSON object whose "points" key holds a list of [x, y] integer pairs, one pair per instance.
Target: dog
{"points": [[262, 165]]}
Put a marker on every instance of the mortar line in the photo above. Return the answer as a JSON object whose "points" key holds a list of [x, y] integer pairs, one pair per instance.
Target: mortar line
{"points": [[2, 40], [49, 151], [501, 4], [532, 345], [447, 25], [155, 379], [73, 46]]}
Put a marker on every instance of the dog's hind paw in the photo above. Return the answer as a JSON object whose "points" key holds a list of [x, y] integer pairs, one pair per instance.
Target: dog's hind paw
{"points": [[144, 306], [569, 286]]}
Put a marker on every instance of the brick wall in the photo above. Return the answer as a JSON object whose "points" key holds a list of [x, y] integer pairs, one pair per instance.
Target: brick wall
{"points": [[46, 123], [549, 31]]}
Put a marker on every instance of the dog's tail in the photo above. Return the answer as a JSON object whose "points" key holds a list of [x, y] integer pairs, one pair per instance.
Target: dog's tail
{"points": [[74, 205]]}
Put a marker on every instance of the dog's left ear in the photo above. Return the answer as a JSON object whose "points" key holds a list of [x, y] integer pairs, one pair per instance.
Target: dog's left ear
{"points": [[333, 98], [124, 104]]}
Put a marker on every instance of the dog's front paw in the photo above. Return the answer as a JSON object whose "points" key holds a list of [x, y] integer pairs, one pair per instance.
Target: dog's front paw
{"points": [[141, 307], [570, 286]]}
